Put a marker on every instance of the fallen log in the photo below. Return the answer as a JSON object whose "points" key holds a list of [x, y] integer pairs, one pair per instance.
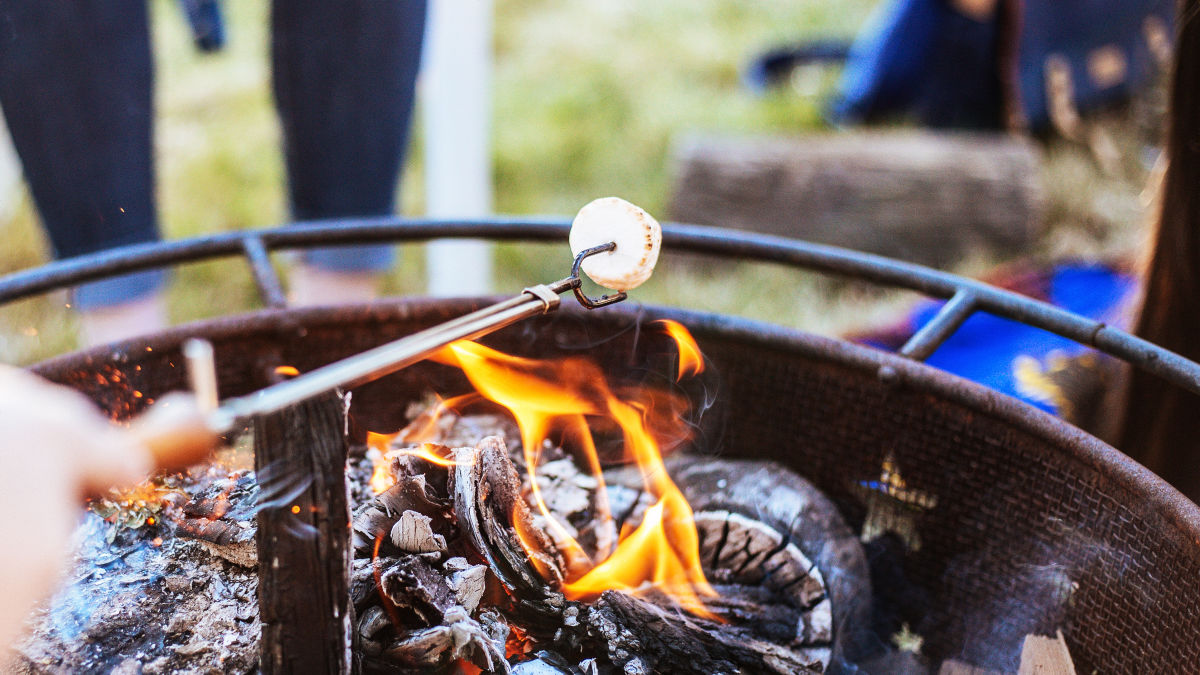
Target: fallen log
{"points": [[924, 197]]}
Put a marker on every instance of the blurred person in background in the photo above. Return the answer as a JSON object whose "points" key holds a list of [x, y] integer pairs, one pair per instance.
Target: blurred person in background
{"points": [[76, 82]]}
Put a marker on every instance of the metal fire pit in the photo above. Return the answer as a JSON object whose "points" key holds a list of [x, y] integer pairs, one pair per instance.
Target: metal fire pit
{"points": [[1034, 526]]}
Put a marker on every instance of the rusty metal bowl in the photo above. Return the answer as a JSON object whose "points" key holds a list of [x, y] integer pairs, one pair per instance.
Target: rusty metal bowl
{"points": [[1025, 524]]}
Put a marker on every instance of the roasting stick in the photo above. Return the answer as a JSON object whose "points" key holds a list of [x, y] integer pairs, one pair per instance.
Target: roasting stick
{"points": [[614, 242]]}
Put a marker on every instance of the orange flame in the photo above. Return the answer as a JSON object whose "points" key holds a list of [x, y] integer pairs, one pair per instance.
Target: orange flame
{"points": [[691, 361], [571, 397], [425, 429], [381, 454], [377, 449], [426, 452]]}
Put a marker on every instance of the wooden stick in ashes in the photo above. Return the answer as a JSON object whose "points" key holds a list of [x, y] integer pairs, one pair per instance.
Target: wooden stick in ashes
{"points": [[304, 544]]}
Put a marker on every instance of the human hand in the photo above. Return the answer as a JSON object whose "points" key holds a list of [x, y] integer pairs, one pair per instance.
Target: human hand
{"points": [[55, 449]]}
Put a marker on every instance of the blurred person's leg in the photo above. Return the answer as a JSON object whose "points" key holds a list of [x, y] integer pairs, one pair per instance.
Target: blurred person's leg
{"points": [[75, 86], [344, 74]]}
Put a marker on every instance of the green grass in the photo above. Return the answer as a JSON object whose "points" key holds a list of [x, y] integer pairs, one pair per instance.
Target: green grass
{"points": [[588, 98]]}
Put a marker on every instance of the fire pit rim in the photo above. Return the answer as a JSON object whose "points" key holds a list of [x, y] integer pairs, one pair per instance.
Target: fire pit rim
{"points": [[1160, 497], [964, 296]]}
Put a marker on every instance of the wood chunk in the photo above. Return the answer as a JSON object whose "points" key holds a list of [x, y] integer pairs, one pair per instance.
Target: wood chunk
{"points": [[304, 578], [1046, 656], [216, 532], [565, 489], [467, 581], [415, 584], [413, 534], [490, 508], [221, 518], [410, 466], [421, 649], [372, 622], [546, 662], [641, 634], [363, 590], [411, 493], [243, 553], [461, 637]]}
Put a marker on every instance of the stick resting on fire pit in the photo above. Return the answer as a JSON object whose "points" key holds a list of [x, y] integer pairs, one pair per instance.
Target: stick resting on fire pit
{"points": [[614, 242]]}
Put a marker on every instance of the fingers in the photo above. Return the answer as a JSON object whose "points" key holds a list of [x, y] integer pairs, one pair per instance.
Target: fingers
{"points": [[113, 458], [175, 432], [62, 423]]}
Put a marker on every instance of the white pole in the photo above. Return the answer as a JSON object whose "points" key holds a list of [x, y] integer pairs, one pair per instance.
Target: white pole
{"points": [[10, 174], [456, 88]]}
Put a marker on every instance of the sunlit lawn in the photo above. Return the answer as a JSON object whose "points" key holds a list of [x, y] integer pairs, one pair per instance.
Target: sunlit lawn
{"points": [[588, 98]]}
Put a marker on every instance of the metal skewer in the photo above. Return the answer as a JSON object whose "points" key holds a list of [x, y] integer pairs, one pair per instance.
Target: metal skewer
{"points": [[385, 359]]}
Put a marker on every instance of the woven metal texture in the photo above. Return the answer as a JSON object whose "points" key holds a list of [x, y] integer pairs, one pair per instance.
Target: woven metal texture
{"points": [[1002, 522]]}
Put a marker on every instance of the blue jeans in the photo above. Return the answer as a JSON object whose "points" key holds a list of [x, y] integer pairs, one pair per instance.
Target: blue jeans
{"points": [[76, 84]]}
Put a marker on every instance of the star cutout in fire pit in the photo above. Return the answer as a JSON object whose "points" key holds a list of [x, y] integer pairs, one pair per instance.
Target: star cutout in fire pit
{"points": [[892, 506]]}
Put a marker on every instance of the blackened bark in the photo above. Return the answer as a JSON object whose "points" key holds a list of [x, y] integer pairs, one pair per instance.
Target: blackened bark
{"points": [[642, 635]]}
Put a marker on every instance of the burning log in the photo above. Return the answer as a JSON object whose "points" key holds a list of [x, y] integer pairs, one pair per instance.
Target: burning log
{"points": [[644, 637], [304, 548], [746, 552], [772, 614], [496, 519], [785, 503], [773, 546]]}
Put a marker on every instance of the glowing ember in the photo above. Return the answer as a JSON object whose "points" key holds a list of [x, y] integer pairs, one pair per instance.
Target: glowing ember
{"points": [[571, 397]]}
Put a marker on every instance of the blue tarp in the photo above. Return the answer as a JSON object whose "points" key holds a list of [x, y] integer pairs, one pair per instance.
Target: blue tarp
{"points": [[1010, 357]]}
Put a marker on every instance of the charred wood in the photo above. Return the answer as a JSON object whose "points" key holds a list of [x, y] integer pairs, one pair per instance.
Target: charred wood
{"points": [[642, 636], [491, 510], [378, 517], [768, 493], [304, 548], [416, 588]]}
